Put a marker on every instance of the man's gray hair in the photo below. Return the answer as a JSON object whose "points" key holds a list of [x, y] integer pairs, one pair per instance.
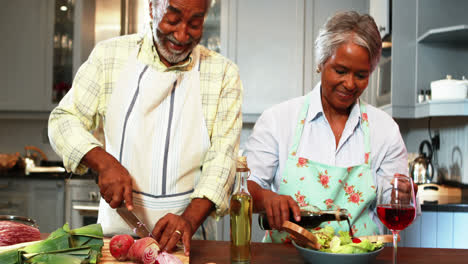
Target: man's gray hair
{"points": [[347, 27], [160, 8]]}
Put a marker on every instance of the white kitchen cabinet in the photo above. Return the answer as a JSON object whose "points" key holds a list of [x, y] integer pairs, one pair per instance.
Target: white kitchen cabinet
{"points": [[380, 11]]}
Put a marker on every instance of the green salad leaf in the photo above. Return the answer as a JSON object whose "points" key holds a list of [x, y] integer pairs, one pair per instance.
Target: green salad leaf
{"points": [[342, 243]]}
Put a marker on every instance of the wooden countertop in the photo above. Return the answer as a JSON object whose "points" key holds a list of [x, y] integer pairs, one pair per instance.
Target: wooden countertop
{"points": [[204, 252]]}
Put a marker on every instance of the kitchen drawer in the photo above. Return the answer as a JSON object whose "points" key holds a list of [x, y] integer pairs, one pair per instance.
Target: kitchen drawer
{"points": [[13, 185], [13, 204]]}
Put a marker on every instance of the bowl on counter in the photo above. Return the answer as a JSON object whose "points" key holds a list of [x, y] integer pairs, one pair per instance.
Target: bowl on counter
{"points": [[19, 219], [318, 257]]}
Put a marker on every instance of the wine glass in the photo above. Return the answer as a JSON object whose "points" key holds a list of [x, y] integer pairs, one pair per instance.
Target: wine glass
{"points": [[396, 206]]}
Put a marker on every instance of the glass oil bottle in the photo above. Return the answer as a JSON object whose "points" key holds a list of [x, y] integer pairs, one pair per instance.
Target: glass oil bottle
{"points": [[240, 211]]}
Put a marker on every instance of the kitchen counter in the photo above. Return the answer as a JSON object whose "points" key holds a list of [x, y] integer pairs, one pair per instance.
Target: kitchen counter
{"points": [[455, 206], [19, 174], [203, 252]]}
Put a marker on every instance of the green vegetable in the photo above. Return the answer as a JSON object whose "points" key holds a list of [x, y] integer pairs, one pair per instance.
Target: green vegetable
{"points": [[81, 245], [343, 243], [10, 257]]}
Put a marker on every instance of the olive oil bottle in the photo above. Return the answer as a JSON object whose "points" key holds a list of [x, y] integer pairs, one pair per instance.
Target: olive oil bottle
{"points": [[240, 211]]}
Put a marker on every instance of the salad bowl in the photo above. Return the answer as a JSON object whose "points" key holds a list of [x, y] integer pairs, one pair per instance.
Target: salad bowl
{"points": [[318, 257]]}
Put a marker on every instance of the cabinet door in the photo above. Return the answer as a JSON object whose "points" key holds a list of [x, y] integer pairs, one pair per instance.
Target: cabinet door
{"points": [[266, 40], [47, 203], [13, 198], [25, 50]]}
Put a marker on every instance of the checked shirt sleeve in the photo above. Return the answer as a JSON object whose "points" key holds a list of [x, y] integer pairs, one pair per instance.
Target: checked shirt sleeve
{"points": [[76, 115], [219, 165]]}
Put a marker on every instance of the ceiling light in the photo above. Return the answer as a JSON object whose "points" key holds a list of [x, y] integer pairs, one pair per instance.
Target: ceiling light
{"points": [[64, 8]]}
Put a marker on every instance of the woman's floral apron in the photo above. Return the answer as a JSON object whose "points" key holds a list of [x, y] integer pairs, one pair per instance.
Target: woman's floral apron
{"points": [[328, 187]]}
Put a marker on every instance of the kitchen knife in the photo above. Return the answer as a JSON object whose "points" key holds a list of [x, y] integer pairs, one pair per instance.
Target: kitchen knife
{"points": [[139, 228]]}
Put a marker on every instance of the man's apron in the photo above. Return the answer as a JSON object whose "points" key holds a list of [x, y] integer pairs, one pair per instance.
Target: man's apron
{"points": [[156, 129], [328, 187]]}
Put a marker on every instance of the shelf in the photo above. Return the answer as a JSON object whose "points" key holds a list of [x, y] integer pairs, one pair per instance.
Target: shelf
{"points": [[442, 108], [429, 109], [450, 35]]}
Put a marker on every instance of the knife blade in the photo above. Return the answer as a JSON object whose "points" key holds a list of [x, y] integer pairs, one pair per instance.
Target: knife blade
{"points": [[139, 228]]}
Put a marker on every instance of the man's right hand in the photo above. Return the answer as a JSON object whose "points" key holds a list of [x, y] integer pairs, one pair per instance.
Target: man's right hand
{"points": [[115, 183]]}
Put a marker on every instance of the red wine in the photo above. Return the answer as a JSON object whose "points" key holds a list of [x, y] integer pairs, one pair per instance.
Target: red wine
{"points": [[309, 219], [396, 217]]}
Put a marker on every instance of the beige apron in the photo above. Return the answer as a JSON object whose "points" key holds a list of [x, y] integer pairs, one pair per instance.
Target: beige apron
{"points": [[155, 127]]}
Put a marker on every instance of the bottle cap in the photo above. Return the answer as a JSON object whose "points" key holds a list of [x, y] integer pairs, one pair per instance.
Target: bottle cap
{"points": [[242, 164]]}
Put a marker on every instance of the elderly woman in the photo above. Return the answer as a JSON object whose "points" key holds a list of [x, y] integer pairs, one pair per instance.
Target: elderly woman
{"points": [[328, 148]]}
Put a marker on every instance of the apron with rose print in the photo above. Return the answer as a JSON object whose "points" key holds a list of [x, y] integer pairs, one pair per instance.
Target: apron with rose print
{"points": [[329, 187]]}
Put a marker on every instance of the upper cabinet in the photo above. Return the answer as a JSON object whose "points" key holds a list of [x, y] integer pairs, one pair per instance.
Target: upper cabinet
{"points": [[43, 44], [26, 52], [272, 42], [430, 41]]}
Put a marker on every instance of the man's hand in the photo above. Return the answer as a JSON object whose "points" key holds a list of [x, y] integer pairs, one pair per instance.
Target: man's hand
{"points": [[170, 229], [115, 183]]}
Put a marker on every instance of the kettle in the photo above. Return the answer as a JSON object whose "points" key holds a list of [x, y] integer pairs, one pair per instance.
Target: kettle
{"points": [[422, 170]]}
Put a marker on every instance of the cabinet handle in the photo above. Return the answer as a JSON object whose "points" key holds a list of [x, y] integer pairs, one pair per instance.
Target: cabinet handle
{"points": [[4, 186], [7, 205]]}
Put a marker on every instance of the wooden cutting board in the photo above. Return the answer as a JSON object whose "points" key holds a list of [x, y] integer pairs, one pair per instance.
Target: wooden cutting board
{"points": [[107, 258]]}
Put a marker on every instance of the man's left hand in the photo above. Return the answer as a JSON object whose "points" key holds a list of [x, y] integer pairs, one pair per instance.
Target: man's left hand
{"points": [[170, 229]]}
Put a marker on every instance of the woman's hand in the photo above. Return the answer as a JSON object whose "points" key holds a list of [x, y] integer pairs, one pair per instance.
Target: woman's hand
{"points": [[278, 208], [404, 189]]}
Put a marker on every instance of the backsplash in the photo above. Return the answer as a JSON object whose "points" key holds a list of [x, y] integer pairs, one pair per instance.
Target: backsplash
{"points": [[451, 160], [15, 134]]}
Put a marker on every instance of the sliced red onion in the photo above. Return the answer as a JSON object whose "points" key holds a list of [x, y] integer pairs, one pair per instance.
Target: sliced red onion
{"points": [[150, 254], [166, 258]]}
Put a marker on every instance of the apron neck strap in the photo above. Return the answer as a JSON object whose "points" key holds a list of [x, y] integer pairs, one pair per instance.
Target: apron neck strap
{"points": [[302, 120], [365, 130], [300, 125]]}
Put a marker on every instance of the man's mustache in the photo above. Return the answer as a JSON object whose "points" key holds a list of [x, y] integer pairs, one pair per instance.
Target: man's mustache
{"points": [[172, 39]]}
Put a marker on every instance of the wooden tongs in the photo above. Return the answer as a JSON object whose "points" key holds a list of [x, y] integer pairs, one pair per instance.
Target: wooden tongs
{"points": [[301, 236]]}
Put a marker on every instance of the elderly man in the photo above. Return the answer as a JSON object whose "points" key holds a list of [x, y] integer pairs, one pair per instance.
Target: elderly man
{"points": [[171, 112]]}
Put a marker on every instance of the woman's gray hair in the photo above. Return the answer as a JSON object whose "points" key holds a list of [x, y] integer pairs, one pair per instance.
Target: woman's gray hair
{"points": [[160, 8], [346, 27]]}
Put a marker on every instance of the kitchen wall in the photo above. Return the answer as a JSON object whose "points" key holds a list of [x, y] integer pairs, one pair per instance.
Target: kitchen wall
{"points": [[17, 133], [451, 160]]}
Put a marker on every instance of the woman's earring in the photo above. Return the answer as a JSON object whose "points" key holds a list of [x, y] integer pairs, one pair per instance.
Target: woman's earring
{"points": [[318, 70]]}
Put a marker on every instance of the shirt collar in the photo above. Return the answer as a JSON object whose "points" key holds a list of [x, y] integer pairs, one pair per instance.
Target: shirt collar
{"points": [[149, 55], [316, 108]]}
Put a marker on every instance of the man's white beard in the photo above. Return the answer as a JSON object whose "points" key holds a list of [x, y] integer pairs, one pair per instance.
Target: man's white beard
{"points": [[172, 56]]}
